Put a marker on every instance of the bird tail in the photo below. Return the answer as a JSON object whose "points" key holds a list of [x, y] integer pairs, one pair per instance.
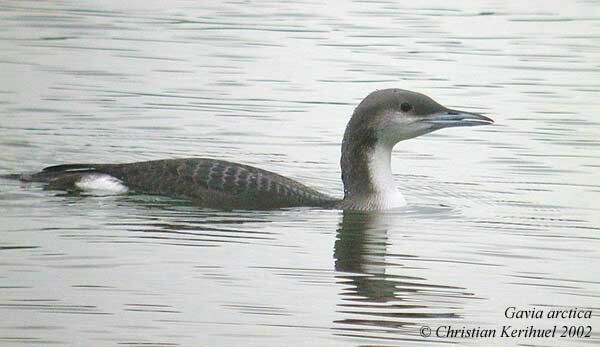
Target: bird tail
{"points": [[12, 176], [70, 168], [52, 173]]}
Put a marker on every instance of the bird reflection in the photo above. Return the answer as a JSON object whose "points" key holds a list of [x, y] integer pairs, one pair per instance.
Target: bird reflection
{"points": [[360, 250], [373, 301]]}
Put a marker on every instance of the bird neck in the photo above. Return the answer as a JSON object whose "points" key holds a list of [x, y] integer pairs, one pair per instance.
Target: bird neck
{"points": [[367, 173]]}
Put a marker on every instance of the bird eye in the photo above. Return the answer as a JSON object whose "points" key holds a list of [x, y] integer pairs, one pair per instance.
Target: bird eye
{"points": [[405, 107]]}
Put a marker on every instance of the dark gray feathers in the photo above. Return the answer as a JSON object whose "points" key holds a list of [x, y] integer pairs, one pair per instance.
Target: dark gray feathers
{"points": [[206, 182]]}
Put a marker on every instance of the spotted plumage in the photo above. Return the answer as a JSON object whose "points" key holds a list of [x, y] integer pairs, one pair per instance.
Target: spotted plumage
{"points": [[206, 182]]}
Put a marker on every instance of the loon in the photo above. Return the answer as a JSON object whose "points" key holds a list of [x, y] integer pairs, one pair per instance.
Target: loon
{"points": [[384, 118]]}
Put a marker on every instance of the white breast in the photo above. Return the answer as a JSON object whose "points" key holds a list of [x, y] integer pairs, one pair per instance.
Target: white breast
{"points": [[386, 195]]}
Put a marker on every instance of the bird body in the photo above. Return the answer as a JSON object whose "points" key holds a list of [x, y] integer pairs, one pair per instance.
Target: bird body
{"points": [[205, 182], [381, 120]]}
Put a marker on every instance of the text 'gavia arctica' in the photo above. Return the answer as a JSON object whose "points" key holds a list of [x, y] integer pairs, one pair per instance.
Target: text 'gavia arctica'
{"points": [[382, 119]]}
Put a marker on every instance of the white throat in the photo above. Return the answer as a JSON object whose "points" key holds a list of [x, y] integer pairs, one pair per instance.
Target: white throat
{"points": [[385, 195]]}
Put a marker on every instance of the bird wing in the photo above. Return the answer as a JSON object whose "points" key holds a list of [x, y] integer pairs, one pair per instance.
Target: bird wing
{"points": [[207, 182]]}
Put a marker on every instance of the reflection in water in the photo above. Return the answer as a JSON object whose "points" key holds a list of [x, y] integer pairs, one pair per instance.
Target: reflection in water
{"points": [[381, 300], [360, 251], [177, 222]]}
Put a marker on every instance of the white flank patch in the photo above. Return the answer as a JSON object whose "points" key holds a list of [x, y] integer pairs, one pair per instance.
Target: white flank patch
{"points": [[101, 184]]}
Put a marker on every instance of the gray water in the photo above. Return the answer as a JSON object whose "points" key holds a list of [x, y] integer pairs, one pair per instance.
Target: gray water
{"points": [[498, 216]]}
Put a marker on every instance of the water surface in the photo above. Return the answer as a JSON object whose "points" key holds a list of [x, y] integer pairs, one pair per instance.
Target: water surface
{"points": [[498, 216]]}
